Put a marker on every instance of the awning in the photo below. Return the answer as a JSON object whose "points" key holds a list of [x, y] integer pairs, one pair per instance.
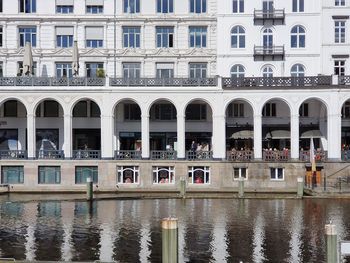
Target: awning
{"points": [[245, 134], [278, 134], [311, 134]]}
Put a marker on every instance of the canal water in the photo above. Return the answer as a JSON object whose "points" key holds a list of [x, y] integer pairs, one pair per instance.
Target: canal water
{"points": [[210, 230]]}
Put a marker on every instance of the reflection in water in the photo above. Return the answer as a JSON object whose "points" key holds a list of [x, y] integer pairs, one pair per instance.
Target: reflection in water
{"points": [[210, 230]]}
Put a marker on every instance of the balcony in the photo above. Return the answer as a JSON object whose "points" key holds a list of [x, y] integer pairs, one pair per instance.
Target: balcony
{"points": [[163, 155], [127, 155], [240, 156], [199, 155], [13, 154], [275, 17], [268, 53], [86, 154], [50, 154], [276, 156], [51, 81], [157, 82], [320, 156], [277, 82]]}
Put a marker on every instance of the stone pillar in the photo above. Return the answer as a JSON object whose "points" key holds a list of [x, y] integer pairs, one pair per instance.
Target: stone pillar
{"points": [[334, 137], [107, 137], [257, 137], [219, 137], [145, 136], [294, 134], [67, 145], [181, 151], [31, 136]]}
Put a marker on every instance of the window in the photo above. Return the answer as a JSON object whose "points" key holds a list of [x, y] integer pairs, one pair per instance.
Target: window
{"points": [[298, 5], [163, 175], [269, 110], [267, 6], [1, 69], [10, 108], [198, 70], [267, 37], [297, 37], [339, 67], [164, 70], [80, 109], [131, 6], [339, 31], [277, 173], [165, 36], [163, 112], [27, 34], [237, 71], [196, 112], [82, 173], [1, 5], [238, 37], [131, 37], [236, 110], [199, 175], [94, 6], [198, 36], [267, 72], [49, 175], [240, 173], [27, 6], [64, 70], [94, 37], [132, 112], [297, 70], [128, 174], [1, 36], [93, 70], [238, 6], [64, 6], [20, 68], [51, 108], [346, 110], [165, 6], [304, 110], [339, 3], [198, 6], [132, 70], [64, 37], [12, 175]]}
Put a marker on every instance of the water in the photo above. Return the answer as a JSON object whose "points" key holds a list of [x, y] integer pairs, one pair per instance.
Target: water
{"points": [[210, 230]]}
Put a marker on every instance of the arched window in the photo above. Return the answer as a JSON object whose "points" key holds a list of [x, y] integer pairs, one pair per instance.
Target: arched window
{"points": [[297, 37], [267, 37], [267, 72], [237, 71], [297, 70], [238, 37]]}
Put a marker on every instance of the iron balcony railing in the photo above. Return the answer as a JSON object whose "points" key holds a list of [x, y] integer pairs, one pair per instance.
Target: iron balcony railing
{"points": [[51, 81], [158, 82], [269, 50], [50, 154], [163, 155], [276, 82], [269, 14], [345, 155], [127, 155], [13, 154], [240, 156], [86, 154], [276, 156], [199, 155], [320, 155], [344, 80]]}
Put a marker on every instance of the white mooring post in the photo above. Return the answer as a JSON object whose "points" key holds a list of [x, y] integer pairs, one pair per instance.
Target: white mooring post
{"points": [[169, 240], [300, 192], [331, 243], [89, 189]]}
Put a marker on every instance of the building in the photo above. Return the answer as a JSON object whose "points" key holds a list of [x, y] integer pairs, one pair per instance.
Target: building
{"points": [[202, 89]]}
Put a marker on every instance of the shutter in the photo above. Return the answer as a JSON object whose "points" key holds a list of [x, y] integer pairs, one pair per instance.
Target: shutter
{"points": [[94, 2], [64, 2], [94, 33], [64, 31]]}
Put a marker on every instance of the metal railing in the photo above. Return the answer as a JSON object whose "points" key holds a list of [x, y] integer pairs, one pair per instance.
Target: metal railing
{"points": [[13, 154], [253, 82], [320, 155], [276, 156], [127, 155], [199, 155], [51, 81], [159, 82], [86, 154], [163, 155], [344, 80], [270, 14], [50, 154], [269, 50], [345, 155], [240, 156]]}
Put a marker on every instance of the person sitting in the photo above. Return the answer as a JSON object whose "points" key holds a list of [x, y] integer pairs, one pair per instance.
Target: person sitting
{"points": [[128, 181], [198, 180]]}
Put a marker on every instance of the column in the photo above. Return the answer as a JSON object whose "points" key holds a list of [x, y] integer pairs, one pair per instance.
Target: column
{"points": [[67, 145], [31, 136], [219, 137], [257, 137], [145, 136], [334, 136], [294, 136], [181, 151], [107, 137]]}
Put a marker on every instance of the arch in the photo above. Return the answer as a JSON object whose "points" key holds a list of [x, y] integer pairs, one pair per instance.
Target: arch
{"points": [[149, 106], [122, 100], [290, 107], [197, 99], [267, 70], [72, 105], [314, 98], [342, 102], [297, 70], [16, 99], [239, 99], [60, 103], [237, 71]]}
